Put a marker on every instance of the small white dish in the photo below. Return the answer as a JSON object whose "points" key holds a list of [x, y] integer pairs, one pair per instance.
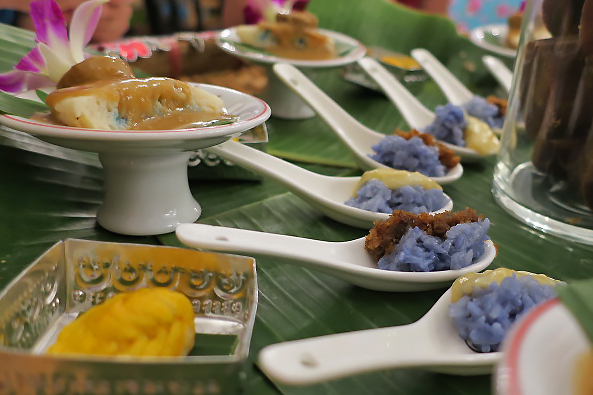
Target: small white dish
{"points": [[146, 190], [346, 260], [540, 355], [326, 193], [499, 70], [416, 115], [431, 343], [492, 38], [349, 50], [285, 104], [358, 138]]}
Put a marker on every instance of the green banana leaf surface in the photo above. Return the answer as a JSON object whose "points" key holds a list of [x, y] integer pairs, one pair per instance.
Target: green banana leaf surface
{"points": [[51, 193]]}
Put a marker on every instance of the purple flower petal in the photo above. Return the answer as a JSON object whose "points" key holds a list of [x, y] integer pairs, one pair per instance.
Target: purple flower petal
{"points": [[12, 81], [33, 61], [18, 81], [49, 21], [83, 25]]}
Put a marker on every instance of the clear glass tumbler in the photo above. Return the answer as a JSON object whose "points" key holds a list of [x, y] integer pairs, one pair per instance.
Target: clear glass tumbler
{"points": [[544, 173]]}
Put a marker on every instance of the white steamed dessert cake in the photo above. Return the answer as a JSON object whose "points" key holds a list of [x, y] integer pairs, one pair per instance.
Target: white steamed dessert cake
{"points": [[130, 104], [102, 92], [292, 36]]}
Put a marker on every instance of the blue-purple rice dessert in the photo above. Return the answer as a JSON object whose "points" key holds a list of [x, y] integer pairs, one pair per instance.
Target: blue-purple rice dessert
{"points": [[462, 246], [376, 197], [414, 151], [452, 125], [449, 125], [425, 242], [485, 305], [486, 110]]}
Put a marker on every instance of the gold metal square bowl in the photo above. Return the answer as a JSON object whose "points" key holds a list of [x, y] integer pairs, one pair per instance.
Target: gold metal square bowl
{"points": [[75, 275]]}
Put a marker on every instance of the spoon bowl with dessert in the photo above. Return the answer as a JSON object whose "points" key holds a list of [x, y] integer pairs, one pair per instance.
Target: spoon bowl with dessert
{"points": [[289, 36], [142, 128], [469, 137], [490, 109], [354, 201], [385, 260], [411, 151], [440, 341]]}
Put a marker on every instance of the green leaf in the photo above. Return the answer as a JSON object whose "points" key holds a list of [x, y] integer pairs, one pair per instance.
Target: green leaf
{"points": [[213, 344], [41, 95], [25, 108], [578, 298]]}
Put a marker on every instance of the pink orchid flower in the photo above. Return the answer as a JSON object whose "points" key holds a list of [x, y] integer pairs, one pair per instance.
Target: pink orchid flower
{"points": [[57, 49]]}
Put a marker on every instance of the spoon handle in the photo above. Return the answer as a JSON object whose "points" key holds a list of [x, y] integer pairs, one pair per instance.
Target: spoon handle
{"points": [[291, 176], [220, 238], [453, 89], [334, 115], [498, 69], [416, 115], [330, 357]]}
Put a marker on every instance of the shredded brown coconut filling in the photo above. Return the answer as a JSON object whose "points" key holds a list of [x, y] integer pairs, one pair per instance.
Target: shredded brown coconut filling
{"points": [[385, 235], [446, 155]]}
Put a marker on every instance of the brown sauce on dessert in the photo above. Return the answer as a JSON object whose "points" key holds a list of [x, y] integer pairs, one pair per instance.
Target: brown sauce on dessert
{"points": [[94, 69], [297, 54], [182, 120], [297, 37], [140, 101]]}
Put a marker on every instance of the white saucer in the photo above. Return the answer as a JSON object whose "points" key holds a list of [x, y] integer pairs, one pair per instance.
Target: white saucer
{"points": [[284, 102], [492, 38], [541, 353], [349, 50], [146, 190]]}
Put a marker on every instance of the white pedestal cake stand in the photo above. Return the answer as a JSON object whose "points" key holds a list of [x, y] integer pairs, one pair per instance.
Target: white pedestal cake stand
{"points": [[146, 190], [284, 102]]}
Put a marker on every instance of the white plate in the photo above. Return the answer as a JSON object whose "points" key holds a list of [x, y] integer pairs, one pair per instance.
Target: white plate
{"points": [[492, 38], [250, 112], [146, 190], [349, 50], [540, 353]]}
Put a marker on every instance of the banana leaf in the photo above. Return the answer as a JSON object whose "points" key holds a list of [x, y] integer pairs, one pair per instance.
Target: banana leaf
{"points": [[51, 193]]}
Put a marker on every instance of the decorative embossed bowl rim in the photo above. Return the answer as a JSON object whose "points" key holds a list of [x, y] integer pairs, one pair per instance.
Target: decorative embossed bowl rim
{"points": [[73, 275]]}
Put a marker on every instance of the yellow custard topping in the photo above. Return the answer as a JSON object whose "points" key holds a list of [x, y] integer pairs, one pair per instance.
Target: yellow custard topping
{"points": [[145, 322], [394, 179], [480, 138], [466, 284]]}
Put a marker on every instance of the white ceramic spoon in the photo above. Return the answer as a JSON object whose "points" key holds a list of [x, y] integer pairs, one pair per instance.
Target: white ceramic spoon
{"points": [[326, 193], [414, 112], [346, 260], [499, 70], [454, 90], [431, 343], [358, 138]]}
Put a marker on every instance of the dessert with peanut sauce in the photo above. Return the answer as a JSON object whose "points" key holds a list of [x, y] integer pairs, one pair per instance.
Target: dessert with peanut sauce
{"points": [[103, 93], [292, 36]]}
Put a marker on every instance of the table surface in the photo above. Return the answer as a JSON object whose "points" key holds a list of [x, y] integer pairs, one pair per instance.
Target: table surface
{"points": [[50, 193]]}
